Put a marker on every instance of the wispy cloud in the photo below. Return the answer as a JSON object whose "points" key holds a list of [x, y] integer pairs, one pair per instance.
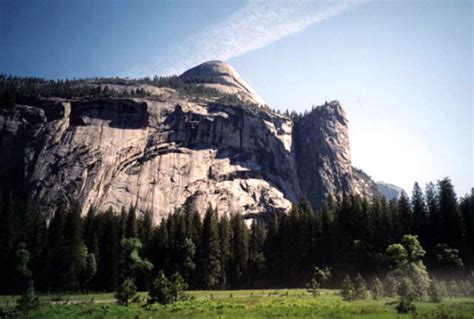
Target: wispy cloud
{"points": [[254, 26]]}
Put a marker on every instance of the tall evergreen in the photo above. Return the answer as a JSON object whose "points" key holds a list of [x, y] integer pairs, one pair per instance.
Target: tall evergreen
{"points": [[225, 234], [434, 218], [54, 271], [467, 210], [131, 225], [210, 251], [453, 233], [405, 215], [419, 213], [75, 250], [256, 251], [239, 250]]}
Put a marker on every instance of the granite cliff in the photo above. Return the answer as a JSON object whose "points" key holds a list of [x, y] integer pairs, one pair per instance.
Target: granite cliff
{"points": [[172, 147]]}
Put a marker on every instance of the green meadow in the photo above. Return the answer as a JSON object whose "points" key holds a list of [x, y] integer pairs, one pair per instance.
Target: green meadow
{"points": [[282, 303]]}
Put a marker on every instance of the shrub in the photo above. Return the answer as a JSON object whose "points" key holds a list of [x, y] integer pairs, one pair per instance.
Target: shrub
{"points": [[407, 294], [125, 292], [453, 288], [320, 276], [465, 288], [390, 286], [28, 300], [161, 290], [178, 285], [437, 291], [360, 288], [347, 291], [377, 289]]}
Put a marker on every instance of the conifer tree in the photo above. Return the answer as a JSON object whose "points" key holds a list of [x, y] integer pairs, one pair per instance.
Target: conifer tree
{"points": [[28, 300], [405, 215], [239, 249], [434, 218], [55, 251], [75, 250], [131, 225], [210, 251], [225, 234], [453, 233], [419, 213], [256, 255]]}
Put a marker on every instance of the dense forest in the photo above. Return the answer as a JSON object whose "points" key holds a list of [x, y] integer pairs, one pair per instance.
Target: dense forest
{"points": [[350, 235]]}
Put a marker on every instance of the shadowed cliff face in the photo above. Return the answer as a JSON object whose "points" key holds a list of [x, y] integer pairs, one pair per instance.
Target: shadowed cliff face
{"points": [[160, 152]]}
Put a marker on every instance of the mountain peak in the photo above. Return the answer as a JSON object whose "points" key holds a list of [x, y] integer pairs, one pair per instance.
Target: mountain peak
{"points": [[222, 77]]}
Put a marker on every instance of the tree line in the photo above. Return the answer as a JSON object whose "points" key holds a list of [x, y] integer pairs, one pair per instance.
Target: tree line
{"points": [[21, 90], [350, 235]]}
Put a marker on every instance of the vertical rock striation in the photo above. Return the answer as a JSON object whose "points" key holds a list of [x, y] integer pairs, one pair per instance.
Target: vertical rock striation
{"points": [[173, 148], [323, 153]]}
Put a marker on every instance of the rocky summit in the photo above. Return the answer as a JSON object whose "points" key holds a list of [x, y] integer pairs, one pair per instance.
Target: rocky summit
{"points": [[205, 137]]}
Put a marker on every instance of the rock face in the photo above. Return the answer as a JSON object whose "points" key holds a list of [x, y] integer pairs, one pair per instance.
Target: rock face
{"points": [[168, 149], [222, 77], [323, 153], [390, 191]]}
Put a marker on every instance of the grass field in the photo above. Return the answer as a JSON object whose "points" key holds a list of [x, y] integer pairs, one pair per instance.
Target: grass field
{"points": [[291, 303]]}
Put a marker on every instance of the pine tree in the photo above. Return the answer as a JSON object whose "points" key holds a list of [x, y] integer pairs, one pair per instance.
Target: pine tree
{"points": [[467, 211], [419, 213], [131, 225], [405, 215], [256, 255], [453, 234], [75, 250], [108, 270], [210, 251], [239, 249], [186, 251], [225, 234], [55, 252], [435, 226]]}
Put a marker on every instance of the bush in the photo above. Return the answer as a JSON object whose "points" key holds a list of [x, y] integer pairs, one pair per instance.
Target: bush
{"points": [[178, 285], [377, 289], [453, 288], [407, 294], [360, 288], [125, 292], [161, 290], [390, 286], [466, 289], [320, 276], [347, 291], [28, 300], [437, 291]]}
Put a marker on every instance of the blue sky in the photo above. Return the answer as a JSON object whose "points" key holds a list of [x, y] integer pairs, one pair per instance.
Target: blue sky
{"points": [[402, 69]]}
